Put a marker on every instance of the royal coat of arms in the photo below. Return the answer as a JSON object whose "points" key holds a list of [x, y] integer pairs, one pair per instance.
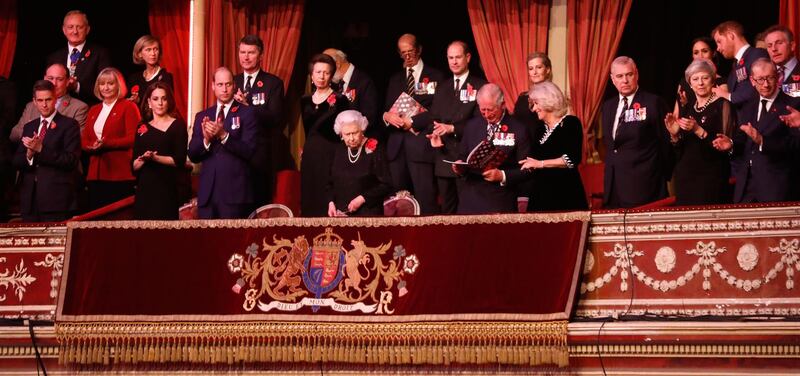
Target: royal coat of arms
{"points": [[287, 275]]}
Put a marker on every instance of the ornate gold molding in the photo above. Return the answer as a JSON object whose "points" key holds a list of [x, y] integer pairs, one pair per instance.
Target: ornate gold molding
{"points": [[343, 222]]}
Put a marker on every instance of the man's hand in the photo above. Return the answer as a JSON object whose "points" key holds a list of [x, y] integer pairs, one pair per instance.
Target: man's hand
{"points": [[751, 132], [458, 169], [393, 119], [792, 119], [721, 92], [493, 175], [34, 144], [722, 142], [441, 129], [241, 97], [436, 140]]}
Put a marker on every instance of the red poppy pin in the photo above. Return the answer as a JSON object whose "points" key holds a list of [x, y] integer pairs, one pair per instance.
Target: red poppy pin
{"points": [[503, 128], [371, 145], [425, 80], [469, 87], [52, 125], [65, 103], [88, 53], [796, 77], [332, 99], [234, 109], [142, 129], [259, 83], [741, 61], [135, 89], [636, 106]]}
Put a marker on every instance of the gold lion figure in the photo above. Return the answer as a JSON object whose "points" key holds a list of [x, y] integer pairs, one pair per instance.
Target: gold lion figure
{"points": [[290, 269]]}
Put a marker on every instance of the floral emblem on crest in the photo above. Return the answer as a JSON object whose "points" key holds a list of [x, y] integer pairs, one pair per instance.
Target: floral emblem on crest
{"points": [[288, 275]]}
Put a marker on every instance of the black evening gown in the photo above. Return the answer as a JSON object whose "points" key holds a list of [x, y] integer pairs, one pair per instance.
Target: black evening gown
{"points": [[701, 172], [137, 83], [368, 176], [556, 189], [321, 141], [156, 183]]}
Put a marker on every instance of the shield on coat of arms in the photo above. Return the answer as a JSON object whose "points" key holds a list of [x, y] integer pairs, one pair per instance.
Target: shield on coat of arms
{"points": [[323, 265]]}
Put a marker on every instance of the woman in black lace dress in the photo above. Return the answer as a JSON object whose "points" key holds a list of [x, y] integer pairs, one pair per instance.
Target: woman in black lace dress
{"points": [[319, 111], [701, 172], [556, 154]]}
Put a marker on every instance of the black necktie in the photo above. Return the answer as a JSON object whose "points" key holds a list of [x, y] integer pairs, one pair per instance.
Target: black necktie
{"points": [[763, 109], [249, 84], [410, 82], [621, 115], [221, 114], [458, 85]]}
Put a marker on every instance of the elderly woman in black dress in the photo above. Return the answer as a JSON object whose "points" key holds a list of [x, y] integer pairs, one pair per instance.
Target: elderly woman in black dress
{"points": [[360, 178], [319, 111], [556, 153], [159, 154], [701, 171]]}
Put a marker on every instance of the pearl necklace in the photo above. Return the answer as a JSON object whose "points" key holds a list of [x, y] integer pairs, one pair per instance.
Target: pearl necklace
{"points": [[708, 102], [353, 158]]}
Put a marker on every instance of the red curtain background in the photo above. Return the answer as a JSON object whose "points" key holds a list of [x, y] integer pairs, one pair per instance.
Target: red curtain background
{"points": [[278, 23], [594, 31], [8, 35], [790, 15], [505, 33], [169, 22]]}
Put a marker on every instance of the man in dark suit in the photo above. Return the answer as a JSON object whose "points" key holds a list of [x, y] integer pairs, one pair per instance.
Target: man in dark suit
{"points": [[453, 104], [489, 191], [359, 88], [764, 173], [637, 142], [47, 160], [409, 151], [226, 147], [732, 44], [263, 93], [65, 104], [84, 59], [781, 49]]}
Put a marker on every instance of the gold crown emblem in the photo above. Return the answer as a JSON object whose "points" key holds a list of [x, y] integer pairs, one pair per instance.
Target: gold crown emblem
{"points": [[328, 239]]}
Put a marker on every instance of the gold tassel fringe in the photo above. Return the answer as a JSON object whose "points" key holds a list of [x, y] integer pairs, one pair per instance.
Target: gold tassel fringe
{"points": [[519, 343]]}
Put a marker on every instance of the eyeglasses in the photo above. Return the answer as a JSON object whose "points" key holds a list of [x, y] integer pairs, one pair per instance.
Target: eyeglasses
{"points": [[761, 80], [412, 53]]}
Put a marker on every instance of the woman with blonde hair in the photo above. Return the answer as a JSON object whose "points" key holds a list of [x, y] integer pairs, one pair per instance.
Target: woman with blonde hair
{"points": [[108, 139]]}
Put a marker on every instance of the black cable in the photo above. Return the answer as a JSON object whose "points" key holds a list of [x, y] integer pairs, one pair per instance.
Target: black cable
{"points": [[39, 361], [632, 287]]}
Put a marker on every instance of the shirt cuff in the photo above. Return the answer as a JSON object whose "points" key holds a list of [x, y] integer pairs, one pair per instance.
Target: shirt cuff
{"points": [[503, 182], [207, 146], [225, 139], [30, 161]]}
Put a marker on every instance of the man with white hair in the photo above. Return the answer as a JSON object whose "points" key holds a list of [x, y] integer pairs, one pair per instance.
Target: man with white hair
{"points": [[83, 59], [490, 190], [637, 144], [358, 87]]}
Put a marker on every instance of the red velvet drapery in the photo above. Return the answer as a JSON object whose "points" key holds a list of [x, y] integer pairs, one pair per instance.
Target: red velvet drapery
{"points": [[8, 35], [594, 31], [790, 15], [505, 33], [278, 23], [169, 22]]}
